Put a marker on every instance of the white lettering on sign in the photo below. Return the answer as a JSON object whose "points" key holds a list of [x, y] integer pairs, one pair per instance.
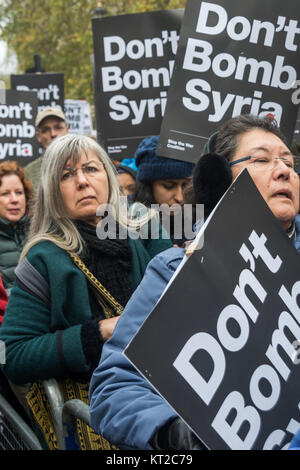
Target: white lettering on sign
{"points": [[115, 80], [16, 149], [51, 92], [201, 341], [200, 57], [280, 353], [244, 413], [21, 112], [123, 108], [132, 79], [199, 101], [115, 47], [239, 28]]}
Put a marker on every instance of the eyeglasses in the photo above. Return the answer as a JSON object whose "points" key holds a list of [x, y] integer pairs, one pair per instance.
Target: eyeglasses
{"points": [[267, 163], [88, 170]]}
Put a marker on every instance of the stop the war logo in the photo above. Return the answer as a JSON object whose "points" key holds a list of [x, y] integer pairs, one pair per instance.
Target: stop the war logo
{"points": [[17, 131]]}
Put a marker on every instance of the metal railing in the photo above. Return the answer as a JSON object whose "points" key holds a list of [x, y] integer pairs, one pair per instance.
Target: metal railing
{"points": [[63, 411], [15, 434]]}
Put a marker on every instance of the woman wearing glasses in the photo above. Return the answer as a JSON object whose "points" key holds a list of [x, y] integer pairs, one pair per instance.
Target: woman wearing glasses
{"points": [[269, 162], [71, 286], [132, 414]]}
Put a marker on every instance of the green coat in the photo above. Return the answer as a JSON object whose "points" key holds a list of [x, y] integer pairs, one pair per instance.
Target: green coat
{"points": [[12, 239], [44, 340]]}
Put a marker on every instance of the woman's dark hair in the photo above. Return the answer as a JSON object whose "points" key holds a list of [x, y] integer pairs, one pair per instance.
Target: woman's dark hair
{"points": [[295, 148], [228, 135], [189, 197], [144, 193]]}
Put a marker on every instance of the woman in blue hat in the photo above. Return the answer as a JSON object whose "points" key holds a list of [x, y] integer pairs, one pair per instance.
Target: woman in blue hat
{"points": [[162, 180]]}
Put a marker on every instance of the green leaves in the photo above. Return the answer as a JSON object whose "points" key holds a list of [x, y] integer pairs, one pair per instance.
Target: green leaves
{"points": [[60, 32]]}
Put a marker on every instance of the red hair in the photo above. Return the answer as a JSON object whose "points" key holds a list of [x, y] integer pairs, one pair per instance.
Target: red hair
{"points": [[9, 167]]}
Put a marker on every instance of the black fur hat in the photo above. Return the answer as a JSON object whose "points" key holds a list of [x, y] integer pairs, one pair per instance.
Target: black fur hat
{"points": [[212, 176]]}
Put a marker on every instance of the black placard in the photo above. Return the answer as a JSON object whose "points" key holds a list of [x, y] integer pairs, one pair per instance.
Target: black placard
{"points": [[17, 130], [217, 326], [48, 86], [134, 58], [233, 58]]}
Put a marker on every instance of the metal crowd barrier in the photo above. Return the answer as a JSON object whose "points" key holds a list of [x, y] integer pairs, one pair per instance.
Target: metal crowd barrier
{"points": [[15, 434], [64, 411]]}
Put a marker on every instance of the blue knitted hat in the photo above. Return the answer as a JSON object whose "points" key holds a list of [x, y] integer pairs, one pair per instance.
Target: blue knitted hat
{"points": [[151, 167]]}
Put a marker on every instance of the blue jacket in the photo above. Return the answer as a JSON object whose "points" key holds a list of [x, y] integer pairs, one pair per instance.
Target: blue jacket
{"points": [[295, 444], [124, 407]]}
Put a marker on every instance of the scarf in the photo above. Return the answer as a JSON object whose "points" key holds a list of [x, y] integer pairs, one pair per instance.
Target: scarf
{"points": [[110, 261]]}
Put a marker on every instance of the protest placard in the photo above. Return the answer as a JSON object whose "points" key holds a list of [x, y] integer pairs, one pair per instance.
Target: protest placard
{"points": [[233, 58], [227, 330], [79, 118], [17, 131], [48, 86], [134, 59]]}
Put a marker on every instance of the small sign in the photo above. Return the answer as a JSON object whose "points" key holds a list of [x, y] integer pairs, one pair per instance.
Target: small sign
{"points": [[79, 118]]}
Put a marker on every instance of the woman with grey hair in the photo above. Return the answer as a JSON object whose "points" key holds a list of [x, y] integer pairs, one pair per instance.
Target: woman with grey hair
{"points": [[71, 286]]}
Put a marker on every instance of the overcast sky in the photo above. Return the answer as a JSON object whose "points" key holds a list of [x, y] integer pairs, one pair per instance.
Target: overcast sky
{"points": [[8, 65]]}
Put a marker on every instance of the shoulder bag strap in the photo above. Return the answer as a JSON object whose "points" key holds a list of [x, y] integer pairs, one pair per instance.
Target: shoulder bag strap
{"points": [[110, 305]]}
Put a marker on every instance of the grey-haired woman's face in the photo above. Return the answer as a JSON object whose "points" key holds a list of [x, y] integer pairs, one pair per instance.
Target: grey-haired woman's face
{"points": [[84, 187]]}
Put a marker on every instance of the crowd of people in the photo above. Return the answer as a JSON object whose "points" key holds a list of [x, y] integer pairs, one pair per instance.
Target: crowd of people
{"points": [[71, 300], [124, 406]]}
